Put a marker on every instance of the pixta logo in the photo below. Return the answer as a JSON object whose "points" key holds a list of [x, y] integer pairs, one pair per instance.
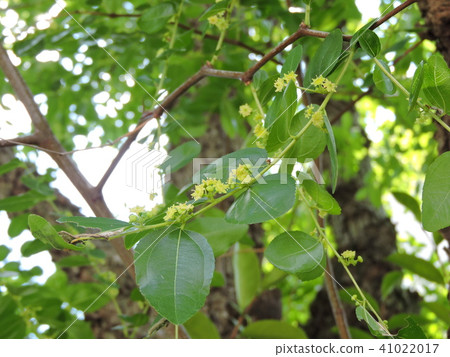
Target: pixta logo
{"points": [[143, 171]]}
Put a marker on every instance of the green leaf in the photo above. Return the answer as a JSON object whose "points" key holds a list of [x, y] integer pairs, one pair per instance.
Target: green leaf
{"points": [[88, 297], [9, 166], [325, 58], [4, 251], [331, 145], [382, 82], [296, 252], [279, 117], [220, 234], [370, 43], [174, 271], [247, 275], [44, 231], [263, 201], [17, 225], [11, 324], [21, 202], [200, 326], [436, 82], [441, 310], [102, 223], [412, 331], [436, 194], [390, 281], [73, 261], [33, 247], [324, 200], [136, 319], [375, 328], [267, 89], [358, 34], [293, 60], [265, 329], [215, 9], [418, 266], [181, 156], [416, 85], [409, 202], [220, 168], [312, 142], [156, 17]]}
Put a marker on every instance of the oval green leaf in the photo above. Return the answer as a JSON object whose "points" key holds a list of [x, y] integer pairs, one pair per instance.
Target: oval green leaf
{"points": [[436, 194], [292, 60], [181, 156], [323, 199], [370, 43], [295, 252], [418, 266], [45, 232], [174, 272], [326, 57], [263, 201], [247, 275], [382, 82], [155, 18], [416, 85], [436, 82]]}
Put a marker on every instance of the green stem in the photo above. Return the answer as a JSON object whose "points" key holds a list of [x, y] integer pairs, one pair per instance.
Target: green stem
{"points": [[341, 260], [258, 103], [308, 14], [407, 94], [176, 332], [224, 31]]}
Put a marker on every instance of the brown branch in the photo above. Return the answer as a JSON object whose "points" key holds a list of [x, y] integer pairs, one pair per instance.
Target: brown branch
{"points": [[29, 140], [48, 141], [335, 302], [392, 13], [301, 32], [407, 52]]}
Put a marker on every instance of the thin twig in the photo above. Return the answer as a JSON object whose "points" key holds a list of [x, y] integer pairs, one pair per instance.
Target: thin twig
{"points": [[28, 140], [392, 13]]}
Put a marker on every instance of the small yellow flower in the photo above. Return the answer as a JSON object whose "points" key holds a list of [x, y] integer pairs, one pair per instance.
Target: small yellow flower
{"points": [[279, 85], [309, 111], [243, 173], [152, 196], [221, 187], [260, 131], [329, 86], [291, 76], [318, 81], [349, 258], [213, 20], [348, 254], [245, 110], [222, 24], [317, 118], [138, 209], [258, 117], [177, 211], [199, 192]]}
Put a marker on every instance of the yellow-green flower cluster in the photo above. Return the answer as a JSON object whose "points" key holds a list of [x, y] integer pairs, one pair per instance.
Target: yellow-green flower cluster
{"points": [[317, 116], [139, 214], [243, 174], [349, 257], [424, 118], [245, 110], [324, 85], [209, 188], [178, 211], [219, 21], [282, 82]]}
